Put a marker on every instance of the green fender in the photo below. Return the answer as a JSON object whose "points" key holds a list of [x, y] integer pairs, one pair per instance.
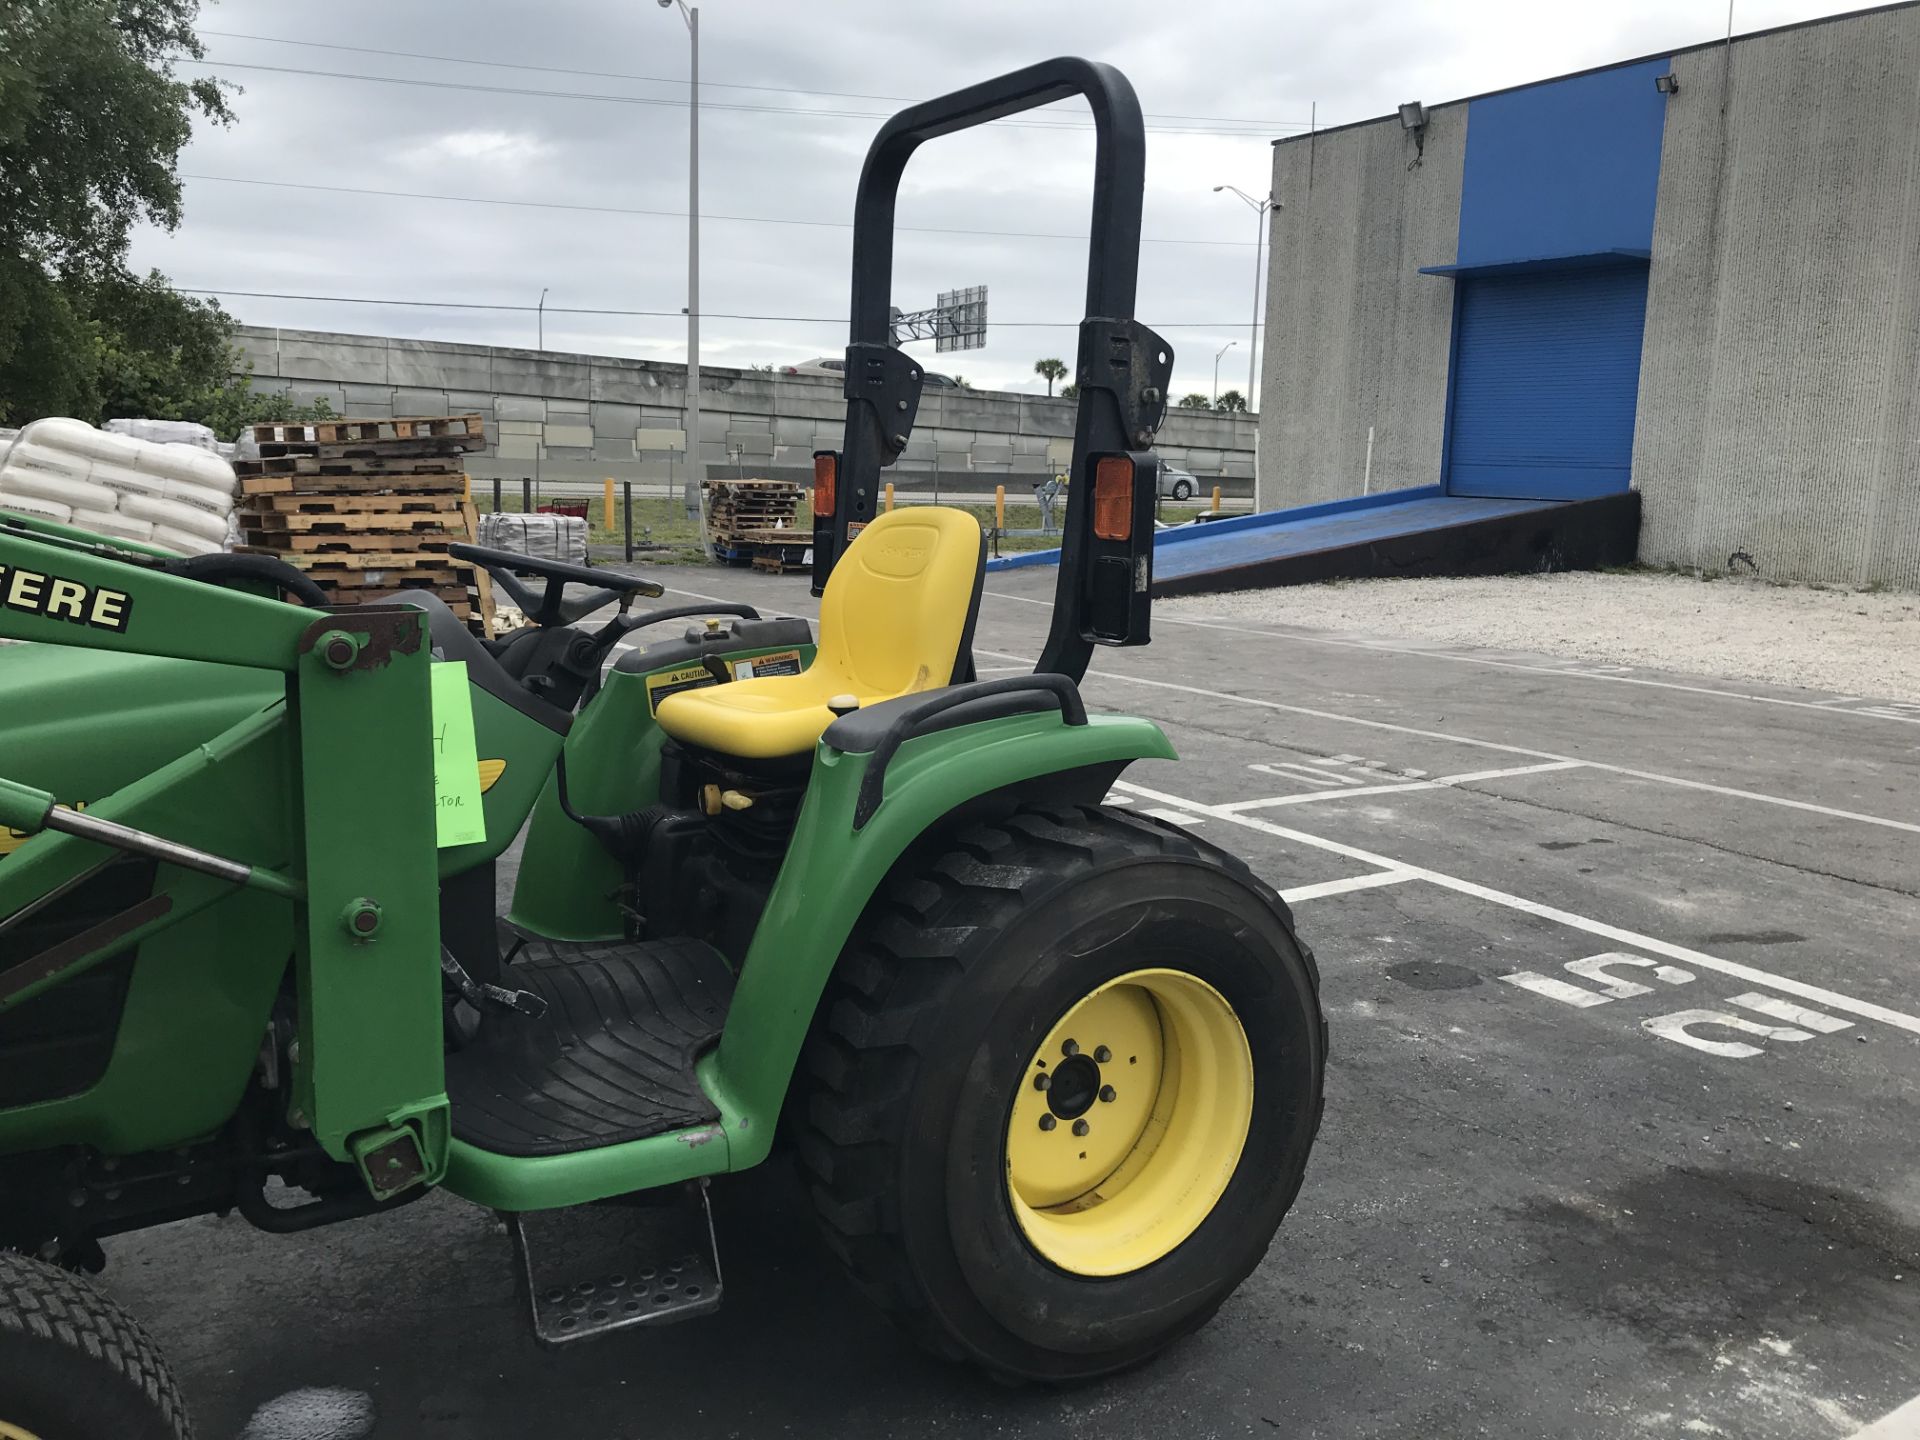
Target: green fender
{"points": [[831, 872]]}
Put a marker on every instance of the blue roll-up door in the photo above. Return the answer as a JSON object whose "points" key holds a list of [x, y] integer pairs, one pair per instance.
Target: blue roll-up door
{"points": [[1547, 373]]}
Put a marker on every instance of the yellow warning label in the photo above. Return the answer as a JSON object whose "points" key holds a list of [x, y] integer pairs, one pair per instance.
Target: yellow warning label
{"points": [[780, 662], [672, 682]]}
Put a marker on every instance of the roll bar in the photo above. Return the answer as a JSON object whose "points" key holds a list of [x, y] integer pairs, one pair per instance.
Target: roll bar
{"points": [[1122, 372]]}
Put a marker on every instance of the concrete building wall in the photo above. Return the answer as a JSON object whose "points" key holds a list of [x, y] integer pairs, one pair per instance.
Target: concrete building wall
{"points": [[1356, 336], [588, 416], [1779, 409]]}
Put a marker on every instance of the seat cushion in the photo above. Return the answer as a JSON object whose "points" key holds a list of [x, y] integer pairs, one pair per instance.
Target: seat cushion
{"points": [[761, 719], [896, 619]]}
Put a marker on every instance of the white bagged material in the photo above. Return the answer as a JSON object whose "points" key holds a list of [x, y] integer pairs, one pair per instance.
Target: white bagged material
{"points": [[181, 542], [61, 489], [164, 432], [152, 485], [7, 437], [187, 465], [544, 537], [39, 509], [177, 516], [112, 522], [80, 438]]}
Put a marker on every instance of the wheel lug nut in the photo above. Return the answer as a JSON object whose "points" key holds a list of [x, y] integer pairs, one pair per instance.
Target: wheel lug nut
{"points": [[1102, 1054], [1047, 1122], [1042, 1082], [1070, 1049], [1080, 1127], [1108, 1094]]}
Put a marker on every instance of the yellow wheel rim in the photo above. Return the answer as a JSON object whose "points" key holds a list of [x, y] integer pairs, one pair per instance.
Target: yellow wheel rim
{"points": [[1129, 1122], [14, 1432]]}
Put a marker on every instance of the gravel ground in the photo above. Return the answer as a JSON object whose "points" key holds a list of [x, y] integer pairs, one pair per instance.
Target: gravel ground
{"points": [[1848, 642]]}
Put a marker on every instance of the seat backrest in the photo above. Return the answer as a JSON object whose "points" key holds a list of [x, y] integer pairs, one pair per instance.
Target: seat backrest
{"points": [[899, 608]]}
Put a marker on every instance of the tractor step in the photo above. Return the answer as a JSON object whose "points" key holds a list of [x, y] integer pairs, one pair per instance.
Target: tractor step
{"points": [[611, 1059], [597, 1283]]}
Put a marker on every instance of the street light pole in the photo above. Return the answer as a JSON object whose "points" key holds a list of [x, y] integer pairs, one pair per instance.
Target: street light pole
{"points": [[1260, 209], [542, 344], [696, 469], [1216, 370]]}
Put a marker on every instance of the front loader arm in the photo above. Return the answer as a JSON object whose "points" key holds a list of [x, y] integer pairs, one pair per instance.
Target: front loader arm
{"points": [[355, 782]]}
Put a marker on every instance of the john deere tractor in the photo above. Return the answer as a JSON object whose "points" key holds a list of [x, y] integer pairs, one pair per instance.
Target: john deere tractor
{"points": [[1052, 1069]]}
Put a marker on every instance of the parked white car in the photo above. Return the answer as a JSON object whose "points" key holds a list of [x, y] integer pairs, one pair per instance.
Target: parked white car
{"points": [[1177, 484]]}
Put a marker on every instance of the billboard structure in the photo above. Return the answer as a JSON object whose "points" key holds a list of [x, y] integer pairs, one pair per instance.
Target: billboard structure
{"points": [[957, 322]]}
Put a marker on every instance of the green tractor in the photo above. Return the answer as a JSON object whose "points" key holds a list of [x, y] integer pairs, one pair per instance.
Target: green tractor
{"points": [[1051, 1069]]}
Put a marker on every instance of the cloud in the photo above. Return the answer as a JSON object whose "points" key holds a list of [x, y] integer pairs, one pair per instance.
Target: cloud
{"points": [[766, 166]]}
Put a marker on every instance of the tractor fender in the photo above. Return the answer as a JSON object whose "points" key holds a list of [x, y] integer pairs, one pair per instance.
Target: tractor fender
{"points": [[835, 865]]}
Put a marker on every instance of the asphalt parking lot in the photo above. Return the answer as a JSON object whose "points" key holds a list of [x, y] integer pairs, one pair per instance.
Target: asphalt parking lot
{"points": [[1620, 1127]]}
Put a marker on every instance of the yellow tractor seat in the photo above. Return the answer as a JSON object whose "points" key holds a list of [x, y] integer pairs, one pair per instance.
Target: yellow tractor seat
{"points": [[897, 617]]}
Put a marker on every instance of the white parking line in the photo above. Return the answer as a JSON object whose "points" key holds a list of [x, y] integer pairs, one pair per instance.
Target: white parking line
{"points": [[1372, 880], [1440, 782], [1901, 1424], [1832, 999], [1388, 725]]}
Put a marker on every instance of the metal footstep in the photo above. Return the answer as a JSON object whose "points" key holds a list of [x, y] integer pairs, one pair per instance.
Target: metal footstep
{"points": [[611, 1267]]}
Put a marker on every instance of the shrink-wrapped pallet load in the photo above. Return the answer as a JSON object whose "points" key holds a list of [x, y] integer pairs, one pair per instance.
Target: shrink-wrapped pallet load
{"points": [[170, 494]]}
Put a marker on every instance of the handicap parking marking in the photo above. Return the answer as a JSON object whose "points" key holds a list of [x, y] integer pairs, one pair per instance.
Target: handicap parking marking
{"points": [[1604, 986], [1800, 1023]]}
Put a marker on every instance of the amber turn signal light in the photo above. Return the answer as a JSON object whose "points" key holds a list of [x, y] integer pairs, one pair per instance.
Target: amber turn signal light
{"points": [[1113, 498], [826, 470]]}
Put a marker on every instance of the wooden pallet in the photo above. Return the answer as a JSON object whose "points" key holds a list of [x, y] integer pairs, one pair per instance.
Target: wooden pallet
{"points": [[776, 564], [353, 522], [457, 599], [415, 558], [289, 545], [354, 484], [446, 429], [319, 464], [357, 506]]}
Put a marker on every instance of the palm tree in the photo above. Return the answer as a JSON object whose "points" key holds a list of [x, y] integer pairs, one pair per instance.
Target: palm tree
{"points": [[1232, 400], [1050, 371], [1195, 401], [1070, 392]]}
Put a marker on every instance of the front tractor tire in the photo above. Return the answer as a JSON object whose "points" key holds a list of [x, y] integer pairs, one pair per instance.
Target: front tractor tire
{"points": [[75, 1366], [1062, 1091]]}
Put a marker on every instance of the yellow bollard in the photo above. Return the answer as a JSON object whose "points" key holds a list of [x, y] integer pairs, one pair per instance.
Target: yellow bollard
{"points": [[1216, 499], [1000, 507], [608, 521], [889, 497]]}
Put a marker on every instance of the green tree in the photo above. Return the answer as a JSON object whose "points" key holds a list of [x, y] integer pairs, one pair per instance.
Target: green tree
{"points": [[1232, 400], [1194, 400], [92, 121], [1050, 371], [1070, 391]]}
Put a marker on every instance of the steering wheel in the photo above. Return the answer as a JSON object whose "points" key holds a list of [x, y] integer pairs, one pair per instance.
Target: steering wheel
{"points": [[551, 608]]}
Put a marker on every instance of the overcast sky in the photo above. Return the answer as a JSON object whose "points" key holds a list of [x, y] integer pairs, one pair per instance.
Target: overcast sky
{"points": [[1218, 81]]}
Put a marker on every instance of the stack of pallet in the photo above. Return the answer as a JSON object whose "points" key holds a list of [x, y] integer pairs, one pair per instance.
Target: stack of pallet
{"points": [[758, 521], [368, 508]]}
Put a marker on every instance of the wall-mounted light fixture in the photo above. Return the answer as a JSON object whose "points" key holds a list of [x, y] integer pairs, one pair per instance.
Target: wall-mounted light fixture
{"points": [[1413, 119], [1667, 84]]}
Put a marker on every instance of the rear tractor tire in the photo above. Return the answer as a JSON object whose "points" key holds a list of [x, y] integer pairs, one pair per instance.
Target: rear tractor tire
{"points": [[75, 1366], [1063, 1089]]}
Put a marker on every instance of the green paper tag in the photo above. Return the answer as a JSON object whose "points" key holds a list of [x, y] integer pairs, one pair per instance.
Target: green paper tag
{"points": [[458, 816]]}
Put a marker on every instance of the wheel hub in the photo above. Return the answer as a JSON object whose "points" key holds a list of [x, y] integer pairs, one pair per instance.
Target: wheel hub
{"points": [[1074, 1087], [1130, 1123]]}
